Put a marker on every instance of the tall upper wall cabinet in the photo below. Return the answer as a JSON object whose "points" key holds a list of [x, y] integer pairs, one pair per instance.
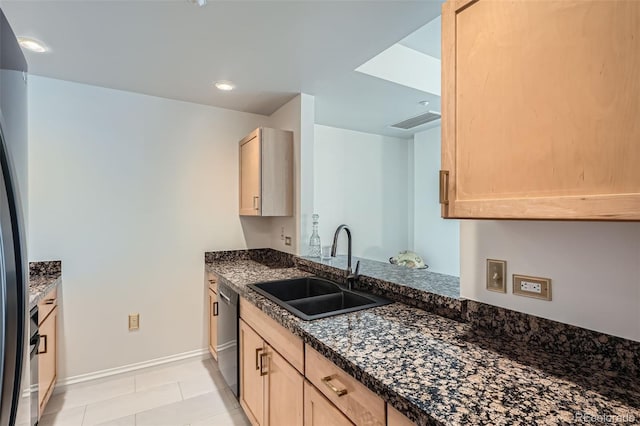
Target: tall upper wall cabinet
{"points": [[540, 107], [266, 173]]}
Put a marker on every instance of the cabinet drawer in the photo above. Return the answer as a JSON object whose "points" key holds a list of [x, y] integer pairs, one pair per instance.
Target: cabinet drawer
{"points": [[282, 340], [361, 406], [396, 418], [46, 305]]}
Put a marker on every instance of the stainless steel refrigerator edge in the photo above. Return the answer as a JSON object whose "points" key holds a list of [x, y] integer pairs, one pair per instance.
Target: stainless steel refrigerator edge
{"points": [[14, 352]]}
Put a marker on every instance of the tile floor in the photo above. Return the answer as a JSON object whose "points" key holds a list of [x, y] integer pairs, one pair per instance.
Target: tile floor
{"points": [[190, 393]]}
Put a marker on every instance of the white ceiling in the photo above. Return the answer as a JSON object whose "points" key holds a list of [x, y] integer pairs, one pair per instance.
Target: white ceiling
{"points": [[426, 39], [271, 50]]}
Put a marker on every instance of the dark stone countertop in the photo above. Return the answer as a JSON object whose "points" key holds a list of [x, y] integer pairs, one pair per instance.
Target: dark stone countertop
{"points": [[440, 371], [43, 277], [420, 288], [418, 279]]}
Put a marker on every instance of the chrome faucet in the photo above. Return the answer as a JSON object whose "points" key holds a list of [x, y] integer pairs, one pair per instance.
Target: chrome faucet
{"points": [[352, 276]]}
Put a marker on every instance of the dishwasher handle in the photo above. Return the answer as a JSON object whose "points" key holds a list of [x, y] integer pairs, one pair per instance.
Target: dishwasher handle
{"points": [[224, 296]]}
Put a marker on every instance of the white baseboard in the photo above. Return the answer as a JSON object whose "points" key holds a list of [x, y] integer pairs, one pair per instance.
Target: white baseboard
{"points": [[130, 368], [226, 346]]}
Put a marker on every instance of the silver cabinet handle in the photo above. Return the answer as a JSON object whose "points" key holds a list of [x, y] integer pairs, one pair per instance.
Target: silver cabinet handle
{"points": [[256, 202]]}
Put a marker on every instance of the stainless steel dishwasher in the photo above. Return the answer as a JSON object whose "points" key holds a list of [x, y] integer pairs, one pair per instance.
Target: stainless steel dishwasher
{"points": [[228, 336]]}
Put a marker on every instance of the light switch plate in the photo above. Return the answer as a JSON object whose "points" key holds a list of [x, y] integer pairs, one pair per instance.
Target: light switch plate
{"points": [[536, 287], [134, 322], [497, 275]]}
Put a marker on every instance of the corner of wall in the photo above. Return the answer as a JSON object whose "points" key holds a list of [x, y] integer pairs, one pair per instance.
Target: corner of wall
{"points": [[411, 174], [297, 115]]}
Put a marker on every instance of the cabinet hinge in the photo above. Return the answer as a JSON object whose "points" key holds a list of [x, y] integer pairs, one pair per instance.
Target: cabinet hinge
{"points": [[444, 187]]}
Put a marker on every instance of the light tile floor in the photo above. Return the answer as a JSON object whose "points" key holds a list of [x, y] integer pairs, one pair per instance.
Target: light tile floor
{"points": [[191, 393]]}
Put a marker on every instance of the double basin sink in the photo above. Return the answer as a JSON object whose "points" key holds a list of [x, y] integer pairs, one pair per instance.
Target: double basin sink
{"points": [[312, 298]]}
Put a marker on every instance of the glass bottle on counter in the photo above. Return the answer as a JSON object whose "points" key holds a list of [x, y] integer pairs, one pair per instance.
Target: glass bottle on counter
{"points": [[314, 241]]}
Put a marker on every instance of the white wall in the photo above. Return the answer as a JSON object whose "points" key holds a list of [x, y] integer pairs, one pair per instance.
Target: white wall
{"points": [[361, 180], [306, 189], [411, 207], [435, 239], [594, 267], [129, 191], [297, 115], [14, 91]]}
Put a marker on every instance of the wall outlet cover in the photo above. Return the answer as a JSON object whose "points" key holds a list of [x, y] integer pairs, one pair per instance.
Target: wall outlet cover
{"points": [[134, 322], [536, 287], [497, 275]]}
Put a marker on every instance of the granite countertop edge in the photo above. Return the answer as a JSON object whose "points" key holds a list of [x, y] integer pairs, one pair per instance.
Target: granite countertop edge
{"points": [[37, 294]]}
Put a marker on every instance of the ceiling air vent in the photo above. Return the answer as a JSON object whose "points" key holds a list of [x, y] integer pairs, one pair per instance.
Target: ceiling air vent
{"points": [[416, 121]]}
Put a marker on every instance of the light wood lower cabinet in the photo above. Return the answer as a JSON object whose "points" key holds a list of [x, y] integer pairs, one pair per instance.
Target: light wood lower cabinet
{"points": [[283, 383], [353, 398], [213, 319], [396, 418], [270, 387], [47, 349], [251, 387], [289, 346], [274, 392], [319, 411]]}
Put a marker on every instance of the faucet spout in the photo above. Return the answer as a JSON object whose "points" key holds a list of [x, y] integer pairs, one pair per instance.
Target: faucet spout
{"points": [[334, 246], [351, 277]]}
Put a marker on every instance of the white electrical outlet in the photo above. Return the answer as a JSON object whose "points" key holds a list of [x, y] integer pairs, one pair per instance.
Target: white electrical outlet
{"points": [[536, 287], [531, 287]]}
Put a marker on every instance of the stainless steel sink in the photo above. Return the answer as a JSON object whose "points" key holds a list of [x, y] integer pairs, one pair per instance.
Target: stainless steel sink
{"points": [[312, 298]]}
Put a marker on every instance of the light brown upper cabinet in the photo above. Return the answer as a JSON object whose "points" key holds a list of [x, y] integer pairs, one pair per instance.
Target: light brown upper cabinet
{"points": [[266, 173], [540, 107]]}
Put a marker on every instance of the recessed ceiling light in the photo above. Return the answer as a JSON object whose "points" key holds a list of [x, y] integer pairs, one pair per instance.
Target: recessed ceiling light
{"points": [[200, 3], [32, 44], [225, 85], [424, 103]]}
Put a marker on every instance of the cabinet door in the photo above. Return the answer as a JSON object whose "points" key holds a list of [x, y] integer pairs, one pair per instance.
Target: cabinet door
{"points": [[251, 384], [46, 305], [47, 359], [358, 403], [396, 418], [540, 101], [318, 411], [250, 175], [284, 390], [213, 323]]}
